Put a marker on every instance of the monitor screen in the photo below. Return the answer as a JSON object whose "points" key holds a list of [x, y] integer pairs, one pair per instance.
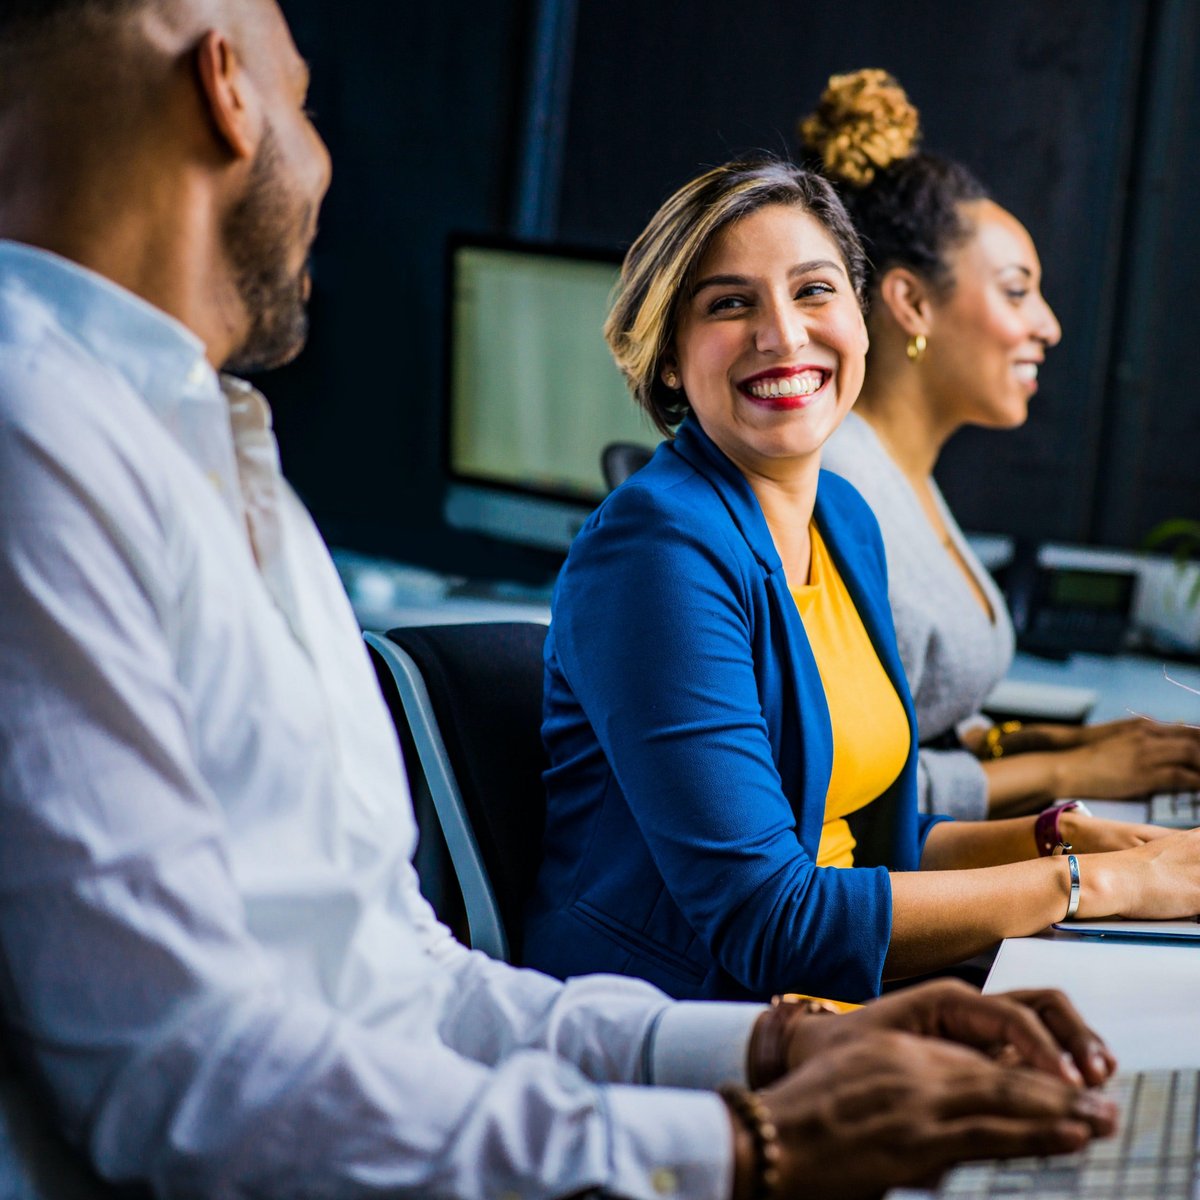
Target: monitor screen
{"points": [[534, 396]]}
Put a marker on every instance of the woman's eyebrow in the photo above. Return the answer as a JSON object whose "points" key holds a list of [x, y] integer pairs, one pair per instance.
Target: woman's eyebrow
{"points": [[803, 268]]}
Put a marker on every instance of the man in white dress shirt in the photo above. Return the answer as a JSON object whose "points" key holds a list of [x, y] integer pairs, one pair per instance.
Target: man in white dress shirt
{"points": [[213, 952]]}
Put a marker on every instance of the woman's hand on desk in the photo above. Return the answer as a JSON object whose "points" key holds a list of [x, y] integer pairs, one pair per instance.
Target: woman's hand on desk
{"points": [[1114, 761], [1037, 1028], [1030, 738], [1130, 758], [1158, 880], [1097, 835]]}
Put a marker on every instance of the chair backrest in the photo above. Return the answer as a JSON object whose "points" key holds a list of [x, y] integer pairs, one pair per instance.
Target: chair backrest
{"points": [[472, 696], [619, 460], [35, 1163]]}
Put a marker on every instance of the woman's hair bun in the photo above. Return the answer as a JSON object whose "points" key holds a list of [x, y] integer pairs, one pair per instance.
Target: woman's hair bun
{"points": [[863, 124]]}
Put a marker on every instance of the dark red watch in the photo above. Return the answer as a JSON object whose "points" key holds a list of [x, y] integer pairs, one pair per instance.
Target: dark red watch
{"points": [[1045, 829]]}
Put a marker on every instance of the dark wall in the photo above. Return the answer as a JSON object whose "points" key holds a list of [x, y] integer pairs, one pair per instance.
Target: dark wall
{"points": [[419, 105], [1078, 115]]}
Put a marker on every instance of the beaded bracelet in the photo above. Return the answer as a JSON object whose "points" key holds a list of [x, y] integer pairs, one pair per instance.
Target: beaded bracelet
{"points": [[749, 1108]]}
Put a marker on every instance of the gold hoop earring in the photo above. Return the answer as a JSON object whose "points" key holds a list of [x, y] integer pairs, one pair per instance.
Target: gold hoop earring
{"points": [[671, 380], [916, 347]]}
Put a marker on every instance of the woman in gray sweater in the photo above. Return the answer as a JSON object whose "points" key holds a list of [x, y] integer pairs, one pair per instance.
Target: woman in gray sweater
{"points": [[958, 328]]}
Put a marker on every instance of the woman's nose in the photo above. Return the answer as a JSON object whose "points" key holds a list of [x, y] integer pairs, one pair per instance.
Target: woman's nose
{"points": [[1047, 328], [781, 330]]}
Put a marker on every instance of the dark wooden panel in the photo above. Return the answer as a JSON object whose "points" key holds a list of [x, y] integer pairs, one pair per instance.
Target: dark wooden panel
{"points": [[1037, 98], [1152, 411], [419, 106]]}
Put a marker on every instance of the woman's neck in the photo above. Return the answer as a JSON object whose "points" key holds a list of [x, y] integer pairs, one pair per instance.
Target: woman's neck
{"points": [[787, 502], [786, 491], [905, 421]]}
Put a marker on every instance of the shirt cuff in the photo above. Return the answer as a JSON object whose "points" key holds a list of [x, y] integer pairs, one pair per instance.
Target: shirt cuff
{"points": [[700, 1044], [952, 783], [669, 1143]]}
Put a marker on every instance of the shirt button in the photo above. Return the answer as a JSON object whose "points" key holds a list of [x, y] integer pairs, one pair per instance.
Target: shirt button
{"points": [[664, 1181], [198, 373]]}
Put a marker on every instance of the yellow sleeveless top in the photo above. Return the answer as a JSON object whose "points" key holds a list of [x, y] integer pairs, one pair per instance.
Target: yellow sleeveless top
{"points": [[870, 729]]}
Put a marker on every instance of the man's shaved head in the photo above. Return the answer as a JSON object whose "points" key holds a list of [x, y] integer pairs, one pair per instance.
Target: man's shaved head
{"points": [[167, 145], [25, 18], [47, 25]]}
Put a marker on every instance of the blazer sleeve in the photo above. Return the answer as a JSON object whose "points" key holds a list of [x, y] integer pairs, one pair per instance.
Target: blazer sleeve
{"points": [[655, 640]]}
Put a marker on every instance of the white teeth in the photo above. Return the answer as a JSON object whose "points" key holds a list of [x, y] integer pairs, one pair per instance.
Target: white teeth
{"points": [[803, 384], [1026, 372]]}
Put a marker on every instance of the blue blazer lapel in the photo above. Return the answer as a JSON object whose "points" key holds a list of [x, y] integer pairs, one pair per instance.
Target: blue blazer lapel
{"points": [[788, 640], [694, 445]]}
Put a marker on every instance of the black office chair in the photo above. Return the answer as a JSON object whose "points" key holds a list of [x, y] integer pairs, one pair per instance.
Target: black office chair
{"points": [[35, 1162], [472, 699], [619, 460]]}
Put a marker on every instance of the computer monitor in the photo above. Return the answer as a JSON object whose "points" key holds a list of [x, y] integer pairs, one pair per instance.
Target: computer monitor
{"points": [[533, 395]]}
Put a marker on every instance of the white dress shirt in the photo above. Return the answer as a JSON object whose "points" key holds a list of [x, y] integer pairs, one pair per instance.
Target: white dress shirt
{"points": [[213, 949]]}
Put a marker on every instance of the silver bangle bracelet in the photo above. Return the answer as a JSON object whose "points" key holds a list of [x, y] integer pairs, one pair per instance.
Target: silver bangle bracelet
{"points": [[1073, 903]]}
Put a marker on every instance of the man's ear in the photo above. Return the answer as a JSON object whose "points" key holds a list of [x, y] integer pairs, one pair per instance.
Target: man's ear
{"points": [[909, 300], [226, 89]]}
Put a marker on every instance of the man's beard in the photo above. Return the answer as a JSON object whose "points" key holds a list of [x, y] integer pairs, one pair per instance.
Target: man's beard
{"points": [[258, 234]]}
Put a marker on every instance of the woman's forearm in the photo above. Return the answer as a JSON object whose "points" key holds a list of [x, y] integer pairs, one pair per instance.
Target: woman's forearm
{"points": [[942, 917], [961, 845], [1023, 783]]}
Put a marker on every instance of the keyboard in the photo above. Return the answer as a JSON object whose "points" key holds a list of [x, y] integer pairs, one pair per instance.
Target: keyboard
{"points": [[1154, 1155], [1179, 810]]}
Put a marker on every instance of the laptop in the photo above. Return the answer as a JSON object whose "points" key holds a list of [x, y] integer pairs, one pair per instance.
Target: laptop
{"points": [[1154, 1155], [1185, 929]]}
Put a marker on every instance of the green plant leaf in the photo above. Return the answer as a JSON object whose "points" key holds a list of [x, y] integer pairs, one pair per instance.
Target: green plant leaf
{"points": [[1182, 535]]}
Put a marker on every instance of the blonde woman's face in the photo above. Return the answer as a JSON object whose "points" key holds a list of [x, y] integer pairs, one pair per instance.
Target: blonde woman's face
{"points": [[770, 342], [988, 338]]}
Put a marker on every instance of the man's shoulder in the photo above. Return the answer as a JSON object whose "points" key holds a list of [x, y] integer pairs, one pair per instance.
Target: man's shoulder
{"points": [[44, 376], [72, 432]]}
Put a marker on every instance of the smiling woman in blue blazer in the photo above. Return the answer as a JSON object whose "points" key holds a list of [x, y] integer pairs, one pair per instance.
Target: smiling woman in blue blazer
{"points": [[731, 796]]}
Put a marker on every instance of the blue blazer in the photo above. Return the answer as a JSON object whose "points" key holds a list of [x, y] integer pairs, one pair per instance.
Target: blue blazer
{"points": [[691, 749]]}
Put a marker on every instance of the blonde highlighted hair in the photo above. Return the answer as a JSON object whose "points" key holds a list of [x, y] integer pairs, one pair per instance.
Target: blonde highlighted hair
{"points": [[664, 259]]}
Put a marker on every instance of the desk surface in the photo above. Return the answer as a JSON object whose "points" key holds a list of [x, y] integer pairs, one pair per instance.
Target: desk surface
{"points": [[1123, 682], [1142, 997]]}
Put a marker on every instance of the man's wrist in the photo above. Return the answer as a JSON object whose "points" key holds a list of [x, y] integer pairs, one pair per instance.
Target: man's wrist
{"points": [[743, 1158], [779, 1033], [758, 1153]]}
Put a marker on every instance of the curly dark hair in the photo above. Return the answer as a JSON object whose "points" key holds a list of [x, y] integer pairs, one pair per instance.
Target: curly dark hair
{"points": [[909, 215], [906, 203]]}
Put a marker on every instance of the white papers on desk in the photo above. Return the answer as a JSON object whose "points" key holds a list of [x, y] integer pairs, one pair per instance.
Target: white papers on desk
{"points": [[1042, 701]]}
